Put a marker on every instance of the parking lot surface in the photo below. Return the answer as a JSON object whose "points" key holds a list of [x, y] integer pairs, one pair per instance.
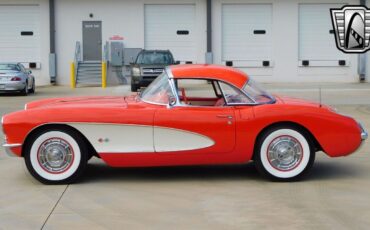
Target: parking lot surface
{"points": [[336, 194]]}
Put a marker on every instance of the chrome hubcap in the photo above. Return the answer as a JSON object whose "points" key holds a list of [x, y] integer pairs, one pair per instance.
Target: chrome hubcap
{"points": [[55, 155], [285, 153]]}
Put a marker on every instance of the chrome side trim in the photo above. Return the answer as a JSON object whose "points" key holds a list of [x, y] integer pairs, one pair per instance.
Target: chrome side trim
{"points": [[8, 150]]}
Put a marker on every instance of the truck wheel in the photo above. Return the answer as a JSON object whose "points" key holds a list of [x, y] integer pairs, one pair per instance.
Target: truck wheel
{"points": [[134, 88]]}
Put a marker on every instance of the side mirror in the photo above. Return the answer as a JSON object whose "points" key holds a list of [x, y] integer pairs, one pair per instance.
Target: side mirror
{"points": [[177, 62], [171, 101]]}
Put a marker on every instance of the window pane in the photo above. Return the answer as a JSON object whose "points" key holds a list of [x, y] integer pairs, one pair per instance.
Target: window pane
{"points": [[233, 96], [158, 91], [196, 92]]}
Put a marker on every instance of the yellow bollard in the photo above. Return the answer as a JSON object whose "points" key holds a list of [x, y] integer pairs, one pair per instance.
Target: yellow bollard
{"points": [[103, 74], [72, 76]]}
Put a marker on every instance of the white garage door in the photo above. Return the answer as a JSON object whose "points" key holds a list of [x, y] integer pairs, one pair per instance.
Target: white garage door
{"points": [[20, 37], [316, 38], [246, 33], [171, 27]]}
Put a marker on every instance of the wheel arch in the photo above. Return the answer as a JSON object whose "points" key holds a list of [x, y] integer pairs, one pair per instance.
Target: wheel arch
{"points": [[291, 124], [91, 149]]}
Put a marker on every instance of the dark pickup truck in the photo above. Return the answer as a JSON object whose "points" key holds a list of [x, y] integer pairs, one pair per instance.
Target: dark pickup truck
{"points": [[148, 66]]}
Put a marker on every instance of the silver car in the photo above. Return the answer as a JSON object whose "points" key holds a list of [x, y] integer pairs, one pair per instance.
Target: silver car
{"points": [[15, 78]]}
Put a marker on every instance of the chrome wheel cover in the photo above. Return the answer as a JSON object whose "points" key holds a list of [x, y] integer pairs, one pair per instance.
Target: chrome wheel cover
{"points": [[55, 155], [285, 153]]}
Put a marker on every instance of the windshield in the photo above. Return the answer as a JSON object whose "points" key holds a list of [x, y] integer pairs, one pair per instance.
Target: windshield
{"points": [[257, 93], [152, 58], [12, 67], [159, 91]]}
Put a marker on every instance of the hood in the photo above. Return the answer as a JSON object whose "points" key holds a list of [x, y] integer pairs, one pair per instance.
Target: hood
{"points": [[81, 102], [152, 65]]}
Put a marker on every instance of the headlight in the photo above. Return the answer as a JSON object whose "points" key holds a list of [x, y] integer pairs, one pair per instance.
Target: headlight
{"points": [[136, 72]]}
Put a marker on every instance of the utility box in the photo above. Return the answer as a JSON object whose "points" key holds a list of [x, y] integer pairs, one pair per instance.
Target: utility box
{"points": [[116, 54]]}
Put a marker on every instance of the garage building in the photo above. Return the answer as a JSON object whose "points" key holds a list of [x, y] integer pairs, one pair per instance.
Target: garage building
{"points": [[271, 40]]}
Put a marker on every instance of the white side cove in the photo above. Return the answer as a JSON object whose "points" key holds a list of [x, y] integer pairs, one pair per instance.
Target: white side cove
{"points": [[117, 138], [167, 140]]}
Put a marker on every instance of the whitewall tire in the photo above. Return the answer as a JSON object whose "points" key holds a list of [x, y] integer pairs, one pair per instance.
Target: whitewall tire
{"points": [[284, 153], [56, 156]]}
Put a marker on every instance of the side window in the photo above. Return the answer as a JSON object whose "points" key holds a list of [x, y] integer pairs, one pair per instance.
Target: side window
{"points": [[198, 92], [233, 95]]}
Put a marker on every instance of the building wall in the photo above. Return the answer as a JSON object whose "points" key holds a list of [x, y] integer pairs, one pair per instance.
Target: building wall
{"points": [[41, 74], [285, 55], [124, 18]]}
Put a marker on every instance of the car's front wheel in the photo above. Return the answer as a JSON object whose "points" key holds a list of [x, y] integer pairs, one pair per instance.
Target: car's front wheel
{"points": [[284, 153], [56, 156]]}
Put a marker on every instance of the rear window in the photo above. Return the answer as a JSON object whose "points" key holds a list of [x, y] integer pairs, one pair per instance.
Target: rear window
{"points": [[13, 67], [152, 58]]}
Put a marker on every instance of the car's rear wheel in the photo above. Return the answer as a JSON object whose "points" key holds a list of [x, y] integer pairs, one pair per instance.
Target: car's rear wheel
{"points": [[56, 156], [24, 92], [33, 89], [284, 153]]}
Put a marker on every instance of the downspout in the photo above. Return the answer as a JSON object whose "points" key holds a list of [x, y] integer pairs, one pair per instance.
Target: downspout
{"points": [[362, 58], [209, 54], [52, 55]]}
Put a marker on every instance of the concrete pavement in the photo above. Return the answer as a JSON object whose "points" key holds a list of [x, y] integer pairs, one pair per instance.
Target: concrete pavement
{"points": [[336, 195]]}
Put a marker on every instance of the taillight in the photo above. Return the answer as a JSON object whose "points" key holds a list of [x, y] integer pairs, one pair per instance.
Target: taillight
{"points": [[16, 79]]}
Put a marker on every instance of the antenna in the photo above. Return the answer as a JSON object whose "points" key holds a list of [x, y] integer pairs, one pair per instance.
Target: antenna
{"points": [[320, 96]]}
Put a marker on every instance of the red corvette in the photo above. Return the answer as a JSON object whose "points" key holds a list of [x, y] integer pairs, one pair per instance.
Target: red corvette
{"points": [[190, 115]]}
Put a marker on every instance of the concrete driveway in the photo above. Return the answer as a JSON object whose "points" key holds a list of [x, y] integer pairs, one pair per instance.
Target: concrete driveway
{"points": [[336, 195]]}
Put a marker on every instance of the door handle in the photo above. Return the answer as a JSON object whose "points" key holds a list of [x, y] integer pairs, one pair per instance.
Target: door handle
{"points": [[225, 116]]}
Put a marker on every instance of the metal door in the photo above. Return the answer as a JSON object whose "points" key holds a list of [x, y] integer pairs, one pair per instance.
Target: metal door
{"points": [[92, 40]]}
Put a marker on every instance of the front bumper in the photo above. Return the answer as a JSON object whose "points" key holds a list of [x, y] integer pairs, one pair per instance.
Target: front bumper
{"points": [[12, 86], [8, 149], [364, 133], [143, 80]]}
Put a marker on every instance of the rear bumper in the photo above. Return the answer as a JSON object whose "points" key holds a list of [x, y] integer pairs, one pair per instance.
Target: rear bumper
{"points": [[8, 149], [12, 86]]}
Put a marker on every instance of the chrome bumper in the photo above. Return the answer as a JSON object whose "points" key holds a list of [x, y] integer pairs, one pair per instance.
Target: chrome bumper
{"points": [[12, 86], [8, 149], [364, 133]]}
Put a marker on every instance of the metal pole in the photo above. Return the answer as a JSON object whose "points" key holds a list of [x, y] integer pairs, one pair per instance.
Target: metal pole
{"points": [[52, 25], [209, 25], [209, 54], [104, 74], [362, 58], [52, 56], [72, 75]]}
